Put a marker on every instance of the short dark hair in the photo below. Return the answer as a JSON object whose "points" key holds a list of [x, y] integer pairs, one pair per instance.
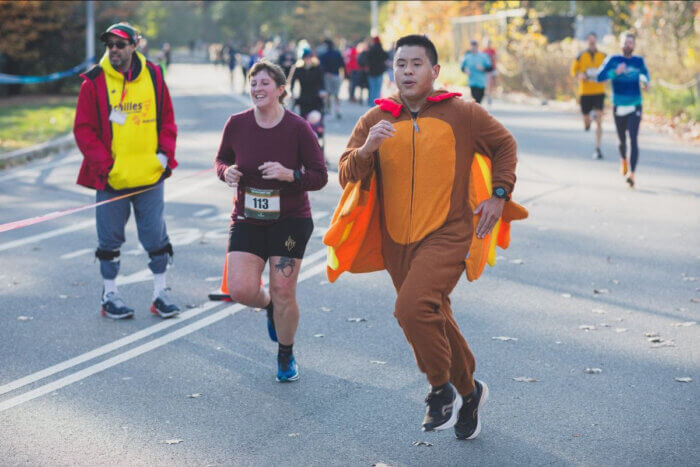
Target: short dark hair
{"points": [[421, 41], [275, 72], [592, 34]]}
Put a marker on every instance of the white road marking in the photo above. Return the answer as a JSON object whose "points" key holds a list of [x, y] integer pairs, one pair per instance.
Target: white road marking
{"points": [[75, 254], [132, 337], [204, 212], [85, 224], [105, 348], [135, 352], [26, 172]]}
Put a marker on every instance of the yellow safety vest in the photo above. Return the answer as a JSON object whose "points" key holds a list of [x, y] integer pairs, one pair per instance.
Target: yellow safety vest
{"points": [[135, 143]]}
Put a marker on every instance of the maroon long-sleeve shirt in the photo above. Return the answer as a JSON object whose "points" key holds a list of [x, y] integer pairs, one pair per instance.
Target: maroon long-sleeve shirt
{"points": [[291, 142]]}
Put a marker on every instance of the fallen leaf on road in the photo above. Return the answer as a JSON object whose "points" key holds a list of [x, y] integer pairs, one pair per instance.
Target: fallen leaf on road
{"points": [[517, 261], [524, 379], [191, 305], [592, 371], [600, 291], [504, 338], [126, 378], [325, 308], [62, 296], [604, 325], [576, 435], [422, 443], [598, 311], [356, 320], [651, 334], [615, 281], [684, 379], [685, 324], [655, 338], [566, 295], [620, 330], [587, 327], [319, 335], [680, 308], [212, 279], [695, 300], [378, 362], [195, 395], [173, 441], [25, 318], [380, 464], [293, 435]]}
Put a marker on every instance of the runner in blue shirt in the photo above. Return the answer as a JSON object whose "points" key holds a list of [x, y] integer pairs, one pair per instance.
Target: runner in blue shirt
{"points": [[476, 64], [626, 71]]}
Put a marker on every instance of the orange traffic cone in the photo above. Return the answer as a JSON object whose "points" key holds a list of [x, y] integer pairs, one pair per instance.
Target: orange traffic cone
{"points": [[222, 295]]}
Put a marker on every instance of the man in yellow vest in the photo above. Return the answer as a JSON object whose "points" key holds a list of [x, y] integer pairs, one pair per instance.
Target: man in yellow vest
{"points": [[591, 92], [125, 128]]}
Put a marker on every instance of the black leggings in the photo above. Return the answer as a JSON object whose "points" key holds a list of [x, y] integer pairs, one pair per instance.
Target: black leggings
{"points": [[629, 124]]}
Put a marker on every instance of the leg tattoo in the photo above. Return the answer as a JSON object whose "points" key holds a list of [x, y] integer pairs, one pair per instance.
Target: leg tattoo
{"points": [[286, 266]]}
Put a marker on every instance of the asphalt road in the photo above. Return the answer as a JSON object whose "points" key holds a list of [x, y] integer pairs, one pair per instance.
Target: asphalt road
{"points": [[594, 268]]}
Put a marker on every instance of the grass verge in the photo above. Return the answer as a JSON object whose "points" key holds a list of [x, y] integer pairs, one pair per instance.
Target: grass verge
{"points": [[26, 121]]}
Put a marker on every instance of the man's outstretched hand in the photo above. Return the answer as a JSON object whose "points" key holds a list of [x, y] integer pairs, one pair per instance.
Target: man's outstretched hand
{"points": [[490, 211]]}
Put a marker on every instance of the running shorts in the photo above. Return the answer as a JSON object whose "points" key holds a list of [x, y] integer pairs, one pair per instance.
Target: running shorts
{"points": [[592, 101], [287, 237]]}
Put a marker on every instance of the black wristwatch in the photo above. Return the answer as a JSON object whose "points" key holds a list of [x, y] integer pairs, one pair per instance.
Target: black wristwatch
{"points": [[297, 176], [500, 192]]}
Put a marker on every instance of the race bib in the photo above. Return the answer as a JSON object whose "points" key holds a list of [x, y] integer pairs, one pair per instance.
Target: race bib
{"points": [[622, 110], [262, 204]]}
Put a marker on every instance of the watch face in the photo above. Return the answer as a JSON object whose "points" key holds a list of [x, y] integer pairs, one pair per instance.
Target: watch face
{"points": [[500, 192]]}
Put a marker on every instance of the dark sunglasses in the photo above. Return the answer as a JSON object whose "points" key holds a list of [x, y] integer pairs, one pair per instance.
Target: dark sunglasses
{"points": [[120, 44]]}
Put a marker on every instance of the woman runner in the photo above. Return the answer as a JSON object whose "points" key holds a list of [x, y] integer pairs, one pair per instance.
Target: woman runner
{"points": [[272, 158]]}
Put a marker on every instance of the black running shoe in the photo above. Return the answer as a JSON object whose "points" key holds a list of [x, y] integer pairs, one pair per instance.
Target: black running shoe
{"points": [[597, 154], [114, 307], [469, 424], [442, 407]]}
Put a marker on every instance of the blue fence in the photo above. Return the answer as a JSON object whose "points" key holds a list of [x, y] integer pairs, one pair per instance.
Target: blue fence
{"points": [[13, 79]]}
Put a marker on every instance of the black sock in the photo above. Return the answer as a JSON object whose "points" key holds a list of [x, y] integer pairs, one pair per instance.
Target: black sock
{"points": [[284, 349], [269, 309]]}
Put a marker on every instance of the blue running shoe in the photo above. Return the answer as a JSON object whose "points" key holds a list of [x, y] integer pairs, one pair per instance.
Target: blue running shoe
{"points": [[271, 331], [287, 369], [113, 307]]}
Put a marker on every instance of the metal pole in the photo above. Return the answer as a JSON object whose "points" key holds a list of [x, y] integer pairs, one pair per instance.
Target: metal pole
{"points": [[375, 17], [90, 30]]}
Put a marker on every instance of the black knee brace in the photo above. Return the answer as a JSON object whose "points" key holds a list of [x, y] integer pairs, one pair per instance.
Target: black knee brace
{"points": [[106, 255], [166, 249]]}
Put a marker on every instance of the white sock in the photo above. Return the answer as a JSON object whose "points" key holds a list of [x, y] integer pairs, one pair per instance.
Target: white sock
{"points": [[158, 284], [110, 286]]}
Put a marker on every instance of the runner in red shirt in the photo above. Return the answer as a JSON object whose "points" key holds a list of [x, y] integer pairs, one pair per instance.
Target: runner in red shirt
{"points": [[272, 158]]}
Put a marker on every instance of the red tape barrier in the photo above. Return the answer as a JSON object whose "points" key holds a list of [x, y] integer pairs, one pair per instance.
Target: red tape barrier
{"points": [[53, 215]]}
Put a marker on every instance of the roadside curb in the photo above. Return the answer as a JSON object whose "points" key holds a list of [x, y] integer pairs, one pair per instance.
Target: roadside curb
{"points": [[21, 156]]}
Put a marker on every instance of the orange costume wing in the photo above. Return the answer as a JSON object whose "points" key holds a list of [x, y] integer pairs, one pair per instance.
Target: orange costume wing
{"points": [[483, 250], [354, 237]]}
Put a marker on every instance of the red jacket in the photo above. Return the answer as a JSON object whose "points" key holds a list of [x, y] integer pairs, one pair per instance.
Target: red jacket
{"points": [[93, 130]]}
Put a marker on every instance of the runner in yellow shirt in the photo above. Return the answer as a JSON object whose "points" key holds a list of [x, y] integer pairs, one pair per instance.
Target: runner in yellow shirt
{"points": [[591, 92]]}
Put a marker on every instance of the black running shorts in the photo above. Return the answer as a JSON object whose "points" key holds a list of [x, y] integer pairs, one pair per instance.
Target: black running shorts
{"points": [[286, 237], [592, 101]]}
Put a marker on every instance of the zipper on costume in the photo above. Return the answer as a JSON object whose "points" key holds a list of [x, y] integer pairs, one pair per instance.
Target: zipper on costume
{"points": [[413, 177]]}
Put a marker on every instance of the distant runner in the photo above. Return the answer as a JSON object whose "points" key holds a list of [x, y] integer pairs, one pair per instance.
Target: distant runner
{"points": [[626, 72], [591, 92]]}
